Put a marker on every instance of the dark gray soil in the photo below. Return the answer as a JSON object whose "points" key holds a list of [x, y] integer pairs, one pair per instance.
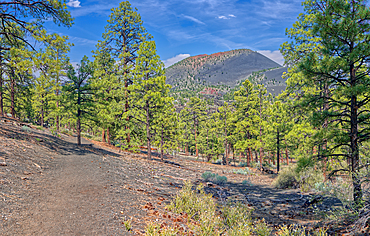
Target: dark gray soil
{"points": [[50, 186]]}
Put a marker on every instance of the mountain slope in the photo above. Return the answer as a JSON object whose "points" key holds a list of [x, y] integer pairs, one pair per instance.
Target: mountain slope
{"points": [[224, 70]]}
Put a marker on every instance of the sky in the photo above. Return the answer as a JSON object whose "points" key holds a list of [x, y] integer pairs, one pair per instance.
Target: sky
{"points": [[183, 28]]}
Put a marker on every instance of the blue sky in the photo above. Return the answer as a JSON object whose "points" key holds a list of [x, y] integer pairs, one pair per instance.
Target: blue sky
{"points": [[184, 28]]}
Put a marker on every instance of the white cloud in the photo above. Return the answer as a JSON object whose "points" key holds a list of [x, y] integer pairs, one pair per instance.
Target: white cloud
{"points": [[73, 3], [225, 17], [175, 59], [273, 55], [193, 19]]}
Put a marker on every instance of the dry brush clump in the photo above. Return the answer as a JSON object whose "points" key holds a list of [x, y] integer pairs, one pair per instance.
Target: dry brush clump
{"points": [[205, 217]]}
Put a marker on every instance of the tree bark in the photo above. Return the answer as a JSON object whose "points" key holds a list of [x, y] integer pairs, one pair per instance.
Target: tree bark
{"points": [[278, 151], [12, 95], [1, 90], [108, 135], [103, 135], [162, 141], [357, 190], [148, 131]]}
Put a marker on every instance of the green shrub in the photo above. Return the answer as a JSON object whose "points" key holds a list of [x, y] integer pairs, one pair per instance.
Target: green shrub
{"points": [[218, 179], [242, 164], [286, 178], [214, 178], [191, 203], [303, 163], [261, 228], [208, 175], [26, 129], [245, 171], [247, 183], [309, 178], [294, 230]]}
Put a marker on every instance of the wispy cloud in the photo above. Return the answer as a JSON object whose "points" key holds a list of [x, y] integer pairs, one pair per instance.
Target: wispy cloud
{"points": [[175, 59], [273, 55], [82, 41], [279, 9], [74, 3], [193, 19]]}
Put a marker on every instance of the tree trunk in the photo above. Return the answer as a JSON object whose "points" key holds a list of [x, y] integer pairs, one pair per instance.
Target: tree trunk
{"points": [[148, 131], [78, 127], [108, 135], [57, 95], [162, 141], [356, 181], [103, 136], [195, 135], [1, 91], [12, 95], [78, 118], [248, 157], [278, 151]]}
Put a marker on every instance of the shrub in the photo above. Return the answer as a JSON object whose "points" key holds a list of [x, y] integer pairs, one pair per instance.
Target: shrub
{"points": [[294, 230], [242, 164], [245, 171], [247, 183], [218, 179], [303, 163], [208, 175], [26, 129], [261, 228], [215, 178], [310, 177], [286, 178]]}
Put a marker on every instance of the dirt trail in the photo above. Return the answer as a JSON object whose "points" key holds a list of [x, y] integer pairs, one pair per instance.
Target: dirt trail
{"points": [[50, 186], [70, 198]]}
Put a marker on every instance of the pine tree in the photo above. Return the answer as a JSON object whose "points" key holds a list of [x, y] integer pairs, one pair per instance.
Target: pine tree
{"points": [[123, 36], [341, 29], [78, 95], [148, 93]]}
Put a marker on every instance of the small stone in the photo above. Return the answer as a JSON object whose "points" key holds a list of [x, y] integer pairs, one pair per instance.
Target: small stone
{"points": [[3, 164]]}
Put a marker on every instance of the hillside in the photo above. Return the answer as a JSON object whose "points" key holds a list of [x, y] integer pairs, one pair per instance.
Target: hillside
{"points": [[224, 71]]}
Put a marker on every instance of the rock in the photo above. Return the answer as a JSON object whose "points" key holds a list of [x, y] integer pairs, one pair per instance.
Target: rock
{"points": [[3, 164]]}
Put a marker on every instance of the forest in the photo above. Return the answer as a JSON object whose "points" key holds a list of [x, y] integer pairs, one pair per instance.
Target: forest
{"points": [[320, 122]]}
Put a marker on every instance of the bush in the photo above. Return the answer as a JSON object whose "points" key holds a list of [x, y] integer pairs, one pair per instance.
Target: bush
{"points": [[247, 183], [303, 163], [208, 175], [245, 171], [242, 164], [26, 129], [294, 230], [309, 178], [219, 179], [214, 178], [286, 178]]}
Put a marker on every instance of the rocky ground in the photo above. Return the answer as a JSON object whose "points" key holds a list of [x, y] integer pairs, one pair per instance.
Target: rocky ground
{"points": [[50, 186]]}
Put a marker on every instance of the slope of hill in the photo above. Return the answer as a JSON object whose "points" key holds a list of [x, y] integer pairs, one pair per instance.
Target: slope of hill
{"points": [[223, 71]]}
